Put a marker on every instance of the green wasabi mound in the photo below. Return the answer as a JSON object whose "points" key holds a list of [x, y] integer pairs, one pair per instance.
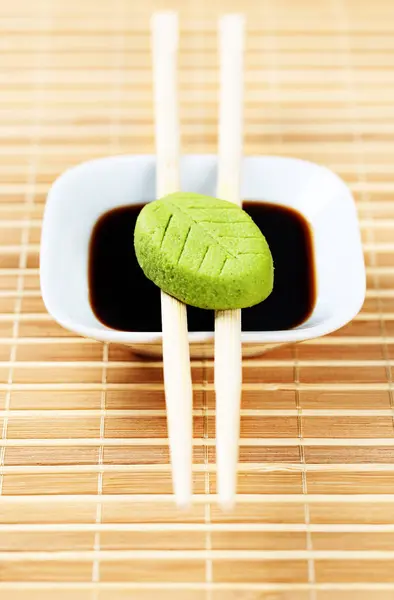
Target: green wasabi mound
{"points": [[203, 251]]}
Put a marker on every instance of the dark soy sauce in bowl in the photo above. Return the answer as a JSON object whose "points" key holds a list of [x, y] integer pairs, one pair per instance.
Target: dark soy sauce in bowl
{"points": [[122, 297]]}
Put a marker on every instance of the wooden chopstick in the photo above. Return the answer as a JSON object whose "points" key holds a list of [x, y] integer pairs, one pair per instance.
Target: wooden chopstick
{"points": [[228, 347], [176, 357]]}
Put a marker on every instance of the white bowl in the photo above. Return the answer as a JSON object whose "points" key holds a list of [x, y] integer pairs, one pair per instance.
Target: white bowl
{"points": [[79, 196]]}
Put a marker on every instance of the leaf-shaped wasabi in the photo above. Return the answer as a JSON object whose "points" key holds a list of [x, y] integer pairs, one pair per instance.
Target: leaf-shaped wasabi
{"points": [[203, 251]]}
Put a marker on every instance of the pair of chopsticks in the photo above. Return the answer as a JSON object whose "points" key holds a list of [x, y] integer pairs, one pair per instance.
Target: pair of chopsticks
{"points": [[228, 350]]}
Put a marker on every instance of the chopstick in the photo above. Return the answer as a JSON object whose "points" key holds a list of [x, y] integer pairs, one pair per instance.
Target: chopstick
{"points": [[176, 357], [228, 348]]}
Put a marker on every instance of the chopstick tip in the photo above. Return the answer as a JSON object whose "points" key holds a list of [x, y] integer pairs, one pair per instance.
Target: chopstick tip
{"points": [[234, 21], [227, 503], [164, 28], [232, 34], [183, 501]]}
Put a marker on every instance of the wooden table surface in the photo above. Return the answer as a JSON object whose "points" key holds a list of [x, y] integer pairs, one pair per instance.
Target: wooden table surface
{"points": [[85, 491]]}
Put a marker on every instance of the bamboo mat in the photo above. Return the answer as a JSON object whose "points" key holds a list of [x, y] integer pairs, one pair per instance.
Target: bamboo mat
{"points": [[85, 492]]}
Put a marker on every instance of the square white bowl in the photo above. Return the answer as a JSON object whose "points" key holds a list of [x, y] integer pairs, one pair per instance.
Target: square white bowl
{"points": [[80, 195]]}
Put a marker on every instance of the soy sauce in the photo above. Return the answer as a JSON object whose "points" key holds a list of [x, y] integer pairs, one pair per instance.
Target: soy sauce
{"points": [[122, 297]]}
